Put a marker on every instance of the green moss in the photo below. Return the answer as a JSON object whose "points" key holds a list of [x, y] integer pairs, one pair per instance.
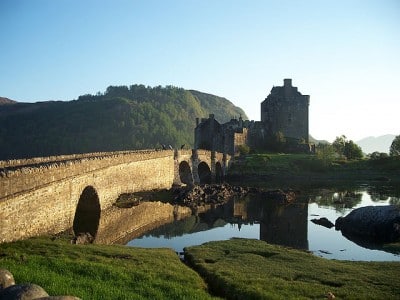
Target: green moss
{"points": [[101, 272], [235, 269], [252, 269]]}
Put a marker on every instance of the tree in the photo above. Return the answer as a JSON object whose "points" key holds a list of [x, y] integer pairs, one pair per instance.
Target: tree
{"points": [[378, 155], [352, 150], [347, 148], [325, 153], [395, 147], [339, 143]]}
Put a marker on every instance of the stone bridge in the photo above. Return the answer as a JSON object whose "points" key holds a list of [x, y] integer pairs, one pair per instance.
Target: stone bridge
{"points": [[50, 194]]}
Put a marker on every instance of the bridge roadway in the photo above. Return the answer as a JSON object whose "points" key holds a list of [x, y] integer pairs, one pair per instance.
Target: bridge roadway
{"points": [[50, 194]]}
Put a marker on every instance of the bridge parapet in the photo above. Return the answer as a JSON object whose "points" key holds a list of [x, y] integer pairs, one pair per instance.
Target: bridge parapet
{"points": [[64, 158], [22, 175]]}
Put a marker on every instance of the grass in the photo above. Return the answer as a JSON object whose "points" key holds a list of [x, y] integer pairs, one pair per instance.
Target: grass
{"points": [[101, 272], [252, 269], [277, 163], [235, 269], [301, 169]]}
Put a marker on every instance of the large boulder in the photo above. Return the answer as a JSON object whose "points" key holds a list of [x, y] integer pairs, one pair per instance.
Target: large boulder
{"points": [[25, 291], [6, 279], [375, 223]]}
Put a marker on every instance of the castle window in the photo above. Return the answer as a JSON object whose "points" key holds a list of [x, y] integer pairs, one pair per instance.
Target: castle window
{"points": [[290, 118]]}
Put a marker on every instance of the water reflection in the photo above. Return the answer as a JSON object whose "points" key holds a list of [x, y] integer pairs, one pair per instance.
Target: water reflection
{"points": [[285, 225], [288, 225], [344, 199], [384, 193], [338, 200], [277, 224]]}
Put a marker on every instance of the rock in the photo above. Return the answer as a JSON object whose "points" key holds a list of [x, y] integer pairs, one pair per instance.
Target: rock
{"points": [[6, 279], [25, 291], [323, 222], [330, 296], [205, 194], [280, 196], [200, 195], [375, 223], [83, 238]]}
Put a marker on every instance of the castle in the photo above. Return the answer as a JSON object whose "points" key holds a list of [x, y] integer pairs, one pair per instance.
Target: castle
{"points": [[284, 119]]}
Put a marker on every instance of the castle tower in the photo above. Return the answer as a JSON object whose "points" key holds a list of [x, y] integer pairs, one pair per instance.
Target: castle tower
{"points": [[286, 110]]}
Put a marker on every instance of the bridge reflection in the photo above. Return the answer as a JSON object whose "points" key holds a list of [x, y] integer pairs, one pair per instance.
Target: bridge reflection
{"points": [[279, 224]]}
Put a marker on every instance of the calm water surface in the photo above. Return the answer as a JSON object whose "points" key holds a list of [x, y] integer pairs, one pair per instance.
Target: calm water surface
{"points": [[288, 225]]}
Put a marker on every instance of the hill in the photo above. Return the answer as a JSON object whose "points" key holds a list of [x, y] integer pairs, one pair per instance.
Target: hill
{"points": [[4, 100], [122, 118], [381, 143], [315, 141], [218, 106]]}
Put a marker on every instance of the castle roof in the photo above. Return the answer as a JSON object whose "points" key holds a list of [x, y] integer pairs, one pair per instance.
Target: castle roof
{"points": [[280, 91], [287, 91]]}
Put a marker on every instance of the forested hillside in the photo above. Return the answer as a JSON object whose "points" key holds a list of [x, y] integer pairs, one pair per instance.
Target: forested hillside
{"points": [[122, 118]]}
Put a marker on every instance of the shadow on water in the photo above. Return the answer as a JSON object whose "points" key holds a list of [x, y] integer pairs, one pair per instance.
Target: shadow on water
{"points": [[370, 244]]}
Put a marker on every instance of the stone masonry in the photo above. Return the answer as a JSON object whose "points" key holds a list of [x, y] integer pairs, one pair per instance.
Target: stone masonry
{"points": [[41, 195]]}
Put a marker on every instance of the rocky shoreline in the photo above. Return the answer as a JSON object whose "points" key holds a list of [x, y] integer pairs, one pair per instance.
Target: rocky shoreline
{"points": [[216, 194], [196, 196]]}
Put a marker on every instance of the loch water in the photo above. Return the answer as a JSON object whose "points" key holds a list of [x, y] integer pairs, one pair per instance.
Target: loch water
{"points": [[288, 225]]}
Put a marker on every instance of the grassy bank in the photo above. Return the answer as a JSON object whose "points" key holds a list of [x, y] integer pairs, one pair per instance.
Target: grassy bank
{"points": [[101, 272], [235, 269], [252, 269], [305, 169]]}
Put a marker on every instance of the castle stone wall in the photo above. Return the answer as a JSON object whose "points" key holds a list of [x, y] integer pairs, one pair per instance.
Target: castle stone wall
{"points": [[284, 110]]}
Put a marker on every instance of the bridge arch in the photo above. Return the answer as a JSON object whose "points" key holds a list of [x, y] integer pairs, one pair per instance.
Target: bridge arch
{"points": [[87, 214], [204, 173], [185, 173]]}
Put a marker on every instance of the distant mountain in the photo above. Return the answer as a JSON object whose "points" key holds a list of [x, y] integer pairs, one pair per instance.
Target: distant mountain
{"points": [[4, 101], [122, 118], [315, 141], [381, 143]]}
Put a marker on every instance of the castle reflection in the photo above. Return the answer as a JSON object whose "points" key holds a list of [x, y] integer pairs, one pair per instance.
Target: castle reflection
{"points": [[279, 224]]}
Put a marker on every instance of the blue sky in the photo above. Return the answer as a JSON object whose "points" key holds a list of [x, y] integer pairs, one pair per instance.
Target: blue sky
{"points": [[343, 53]]}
